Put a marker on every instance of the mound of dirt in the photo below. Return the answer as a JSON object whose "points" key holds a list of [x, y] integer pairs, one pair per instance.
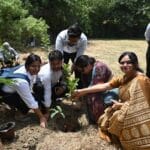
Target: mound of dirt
{"points": [[73, 132]]}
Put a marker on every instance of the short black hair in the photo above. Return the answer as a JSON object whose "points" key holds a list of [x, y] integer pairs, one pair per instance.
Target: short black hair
{"points": [[74, 30], [55, 55], [84, 60], [32, 58]]}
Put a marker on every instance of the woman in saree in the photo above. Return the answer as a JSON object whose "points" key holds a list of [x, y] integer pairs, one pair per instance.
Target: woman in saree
{"points": [[129, 118], [94, 72]]}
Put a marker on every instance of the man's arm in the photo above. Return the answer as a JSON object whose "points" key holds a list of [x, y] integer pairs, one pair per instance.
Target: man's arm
{"points": [[47, 92], [147, 34], [82, 46], [23, 89], [59, 43]]}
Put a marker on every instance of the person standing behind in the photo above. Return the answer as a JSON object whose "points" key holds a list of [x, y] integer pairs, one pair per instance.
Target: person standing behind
{"points": [[147, 38], [72, 42]]}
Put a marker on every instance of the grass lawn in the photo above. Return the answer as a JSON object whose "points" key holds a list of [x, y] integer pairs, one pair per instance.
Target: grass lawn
{"points": [[108, 51]]}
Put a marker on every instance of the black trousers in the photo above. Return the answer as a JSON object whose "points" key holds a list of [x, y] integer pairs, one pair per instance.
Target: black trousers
{"points": [[68, 56], [55, 96], [148, 61], [14, 100]]}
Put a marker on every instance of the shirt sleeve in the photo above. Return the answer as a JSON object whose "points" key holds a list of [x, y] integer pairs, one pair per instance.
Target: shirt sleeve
{"points": [[115, 82], [147, 33], [82, 46], [23, 89], [145, 85], [59, 43], [47, 92]]}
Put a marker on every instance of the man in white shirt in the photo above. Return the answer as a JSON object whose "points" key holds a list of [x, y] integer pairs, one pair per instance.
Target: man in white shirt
{"points": [[147, 38], [72, 42], [51, 76]]}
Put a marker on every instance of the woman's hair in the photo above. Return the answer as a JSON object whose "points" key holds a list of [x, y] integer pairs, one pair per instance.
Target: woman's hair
{"points": [[84, 60], [74, 30], [32, 58], [55, 55], [133, 57]]}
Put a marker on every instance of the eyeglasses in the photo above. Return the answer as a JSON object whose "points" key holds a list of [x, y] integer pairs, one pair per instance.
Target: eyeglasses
{"points": [[126, 62]]}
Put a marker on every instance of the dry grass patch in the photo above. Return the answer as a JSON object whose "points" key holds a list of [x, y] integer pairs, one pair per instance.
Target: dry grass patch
{"points": [[108, 51]]}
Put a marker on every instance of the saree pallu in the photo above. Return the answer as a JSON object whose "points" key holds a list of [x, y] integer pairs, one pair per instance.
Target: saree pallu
{"points": [[131, 124], [95, 101], [95, 106]]}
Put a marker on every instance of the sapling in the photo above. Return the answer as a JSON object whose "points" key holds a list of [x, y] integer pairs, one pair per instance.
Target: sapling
{"points": [[71, 85], [71, 82], [57, 110]]}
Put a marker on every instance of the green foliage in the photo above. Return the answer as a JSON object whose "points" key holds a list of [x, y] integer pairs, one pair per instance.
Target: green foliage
{"points": [[56, 111], [117, 18], [98, 18], [32, 27], [6, 81], [16, 24], [71, 82]]}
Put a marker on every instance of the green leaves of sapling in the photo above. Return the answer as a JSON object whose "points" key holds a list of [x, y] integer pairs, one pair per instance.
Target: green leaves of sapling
{"points": [[55, 111]]}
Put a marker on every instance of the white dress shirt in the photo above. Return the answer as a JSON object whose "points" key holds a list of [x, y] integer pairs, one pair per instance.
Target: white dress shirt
{"points": [[62, 44], [147, 33], [23, 88], [45, 77], [49, 78]]}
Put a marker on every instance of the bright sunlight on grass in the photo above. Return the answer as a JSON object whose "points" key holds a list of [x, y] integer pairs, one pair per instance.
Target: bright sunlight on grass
{"points": [[108, 51]]}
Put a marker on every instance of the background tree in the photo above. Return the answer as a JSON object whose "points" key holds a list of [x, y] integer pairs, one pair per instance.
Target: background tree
{"points": [[24, 19], [16, 24]]}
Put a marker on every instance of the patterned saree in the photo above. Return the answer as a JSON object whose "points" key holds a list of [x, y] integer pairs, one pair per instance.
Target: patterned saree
{"points": [[131, 124]]}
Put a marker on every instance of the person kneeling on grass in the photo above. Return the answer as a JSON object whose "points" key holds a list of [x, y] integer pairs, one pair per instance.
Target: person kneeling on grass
{"points": [[20, 94], [129, 118]]}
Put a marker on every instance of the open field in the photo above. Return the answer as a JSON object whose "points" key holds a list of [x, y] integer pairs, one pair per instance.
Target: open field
{"points": [[109, 50], [29, 136]]}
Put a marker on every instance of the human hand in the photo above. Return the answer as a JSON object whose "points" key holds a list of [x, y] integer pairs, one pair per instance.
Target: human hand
{"points": [[43, 122], [116, 105], [76, 94]]}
